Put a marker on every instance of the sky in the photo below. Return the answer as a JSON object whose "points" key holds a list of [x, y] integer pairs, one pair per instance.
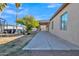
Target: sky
{"points": [[41, 11]]}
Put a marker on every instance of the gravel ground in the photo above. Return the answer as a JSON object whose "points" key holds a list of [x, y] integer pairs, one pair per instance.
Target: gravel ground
{"points": [[15, 45], [5, 40]]}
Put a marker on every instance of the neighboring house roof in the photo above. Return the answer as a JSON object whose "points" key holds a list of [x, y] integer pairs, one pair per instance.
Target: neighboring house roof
{"points": [[42, 22], [60, 9]]}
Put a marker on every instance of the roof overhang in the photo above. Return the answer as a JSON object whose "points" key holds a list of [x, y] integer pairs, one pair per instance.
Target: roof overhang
{"points": [[59, 10]]}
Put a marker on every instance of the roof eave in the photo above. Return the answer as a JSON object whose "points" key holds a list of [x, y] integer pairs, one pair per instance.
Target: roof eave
{"points": [[59, 10]]}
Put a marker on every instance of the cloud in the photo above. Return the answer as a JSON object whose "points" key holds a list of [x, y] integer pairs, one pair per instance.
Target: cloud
{"points": [[9, 11], [7, 6], [53, 5], [21, 8], [23, 11], [5, 16], [39, 17], [12, 3]]}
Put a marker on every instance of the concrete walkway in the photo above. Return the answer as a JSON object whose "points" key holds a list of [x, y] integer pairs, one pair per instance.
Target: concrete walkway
{"points": [[48, 41]]}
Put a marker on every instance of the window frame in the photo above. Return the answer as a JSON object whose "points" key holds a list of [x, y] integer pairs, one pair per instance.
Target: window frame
{"points": [[65, 21]]}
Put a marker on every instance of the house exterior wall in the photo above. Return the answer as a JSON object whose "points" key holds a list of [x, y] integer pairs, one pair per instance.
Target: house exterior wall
{"points": [[44, 26], [72, 32]]}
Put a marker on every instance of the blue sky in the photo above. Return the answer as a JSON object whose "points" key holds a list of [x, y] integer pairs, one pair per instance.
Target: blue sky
{"points": [[41, 11]]}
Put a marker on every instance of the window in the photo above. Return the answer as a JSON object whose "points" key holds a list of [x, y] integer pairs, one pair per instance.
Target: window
{"points": [[52, 25], [64, 19]]}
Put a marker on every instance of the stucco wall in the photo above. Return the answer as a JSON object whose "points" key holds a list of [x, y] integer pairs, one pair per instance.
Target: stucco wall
{"points": [[72, 32]]}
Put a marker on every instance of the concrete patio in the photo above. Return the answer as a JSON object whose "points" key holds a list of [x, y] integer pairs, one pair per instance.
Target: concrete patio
{"points": [[47, 41]]}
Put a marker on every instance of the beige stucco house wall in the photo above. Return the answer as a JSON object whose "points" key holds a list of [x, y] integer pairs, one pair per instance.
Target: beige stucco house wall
{"points": [[72, 32], [44, 25]]}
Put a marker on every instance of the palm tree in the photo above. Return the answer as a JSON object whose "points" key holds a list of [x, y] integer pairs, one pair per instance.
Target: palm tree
{"points": [[2, 6], [17, 6]]}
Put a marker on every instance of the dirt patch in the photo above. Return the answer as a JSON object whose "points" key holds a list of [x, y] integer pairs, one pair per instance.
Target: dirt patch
{"points": [[4, 40]]}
